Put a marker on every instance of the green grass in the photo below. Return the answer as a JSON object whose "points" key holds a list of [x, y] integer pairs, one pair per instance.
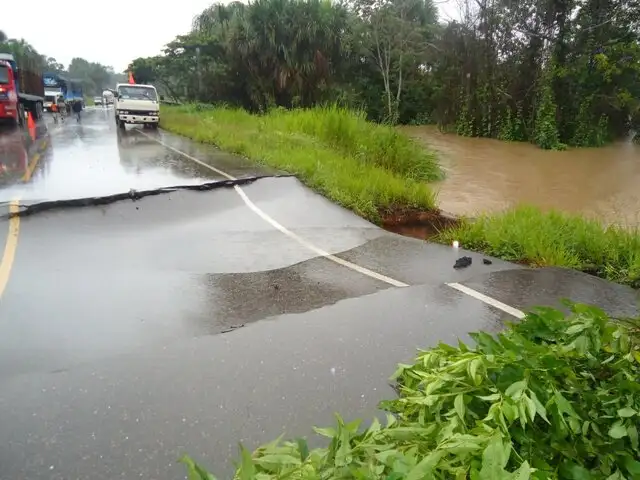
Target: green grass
{"points": [[527, 234], [368, 168]]}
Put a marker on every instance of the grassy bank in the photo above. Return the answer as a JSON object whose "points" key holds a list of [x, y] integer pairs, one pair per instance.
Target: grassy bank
{"points": [[553, 397], [370, 169], [379, 172], [526, 234]]}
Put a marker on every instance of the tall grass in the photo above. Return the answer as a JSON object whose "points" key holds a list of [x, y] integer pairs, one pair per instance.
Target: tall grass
{"points": [[530, 235], [365, 167]]}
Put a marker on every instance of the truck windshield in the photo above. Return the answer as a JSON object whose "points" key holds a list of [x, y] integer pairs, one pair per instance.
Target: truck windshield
{"points": [[4, 74], [137, 93]]}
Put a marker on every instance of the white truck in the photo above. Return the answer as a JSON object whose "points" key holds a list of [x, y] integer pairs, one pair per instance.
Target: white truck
{"points": [[136, 103]]}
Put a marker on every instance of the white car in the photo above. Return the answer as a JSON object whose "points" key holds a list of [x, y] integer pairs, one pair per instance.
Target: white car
{"points": [[136, 103], [97, 100]]}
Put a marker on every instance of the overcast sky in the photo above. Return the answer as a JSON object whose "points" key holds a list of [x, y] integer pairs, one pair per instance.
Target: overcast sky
{"points": [[101, 35]]}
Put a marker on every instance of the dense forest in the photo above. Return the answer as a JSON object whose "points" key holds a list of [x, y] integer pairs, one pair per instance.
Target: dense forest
{"points": [[553, 72], [95, 76]]}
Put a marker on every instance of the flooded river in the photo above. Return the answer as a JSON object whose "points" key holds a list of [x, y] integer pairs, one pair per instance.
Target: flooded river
{"points": [[485, 175]]}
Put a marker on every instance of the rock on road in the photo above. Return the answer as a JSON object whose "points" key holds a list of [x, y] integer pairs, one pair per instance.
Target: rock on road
{"points": [[137, 330]]}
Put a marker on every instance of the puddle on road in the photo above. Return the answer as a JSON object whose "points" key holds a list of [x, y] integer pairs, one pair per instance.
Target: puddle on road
{"points": [[242, 298]]}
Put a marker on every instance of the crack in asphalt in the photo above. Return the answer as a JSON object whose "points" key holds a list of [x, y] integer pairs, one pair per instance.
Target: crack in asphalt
{"points": [[132, 195]]}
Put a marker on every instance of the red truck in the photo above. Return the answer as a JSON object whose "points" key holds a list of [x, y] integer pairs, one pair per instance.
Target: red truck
{"points": [[21, 90]]}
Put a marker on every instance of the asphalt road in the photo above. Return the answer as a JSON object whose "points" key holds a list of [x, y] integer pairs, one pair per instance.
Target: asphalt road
{"points": [[135, 328]]}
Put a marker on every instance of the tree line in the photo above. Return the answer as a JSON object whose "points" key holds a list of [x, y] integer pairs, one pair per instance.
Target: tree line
{"points": [[552, 72], [95, 77]]}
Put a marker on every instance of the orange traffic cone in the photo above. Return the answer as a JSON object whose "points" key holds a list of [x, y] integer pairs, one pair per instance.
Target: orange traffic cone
{"points": [[31, 125]]}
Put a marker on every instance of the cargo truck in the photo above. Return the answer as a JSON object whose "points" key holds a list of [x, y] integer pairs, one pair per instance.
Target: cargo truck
{"points": [[54, 86], [21, 90]]}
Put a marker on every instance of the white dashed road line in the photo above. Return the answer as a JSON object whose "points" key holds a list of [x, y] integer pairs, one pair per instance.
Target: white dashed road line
{"points": [[365, 271], [488, 300]]}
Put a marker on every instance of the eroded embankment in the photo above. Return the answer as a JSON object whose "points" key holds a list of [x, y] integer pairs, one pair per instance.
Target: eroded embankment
{"points": [[383, 176], [425, 225]]}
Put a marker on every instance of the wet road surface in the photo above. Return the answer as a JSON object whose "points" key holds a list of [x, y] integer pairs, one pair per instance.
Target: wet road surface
{"points": [[135, 331]]}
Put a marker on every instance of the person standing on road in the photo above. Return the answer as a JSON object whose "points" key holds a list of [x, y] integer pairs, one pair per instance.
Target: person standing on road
{"points": [[62, 107], [54, 111], [77, 108]]}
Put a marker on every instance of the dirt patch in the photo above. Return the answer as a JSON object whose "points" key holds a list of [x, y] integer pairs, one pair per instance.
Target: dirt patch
{"points": [[417, 223]]}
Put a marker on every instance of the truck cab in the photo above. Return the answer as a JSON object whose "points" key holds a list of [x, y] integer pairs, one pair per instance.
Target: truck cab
{"points": [[22, 90], [9, 106], [136, 103]]}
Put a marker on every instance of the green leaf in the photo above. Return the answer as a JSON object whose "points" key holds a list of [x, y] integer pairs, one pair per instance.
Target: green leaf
{"points": [[325, 432], [303, 447], [632, 431], [515, 389], [494, 458], [490, 398], [564, 407], [459, 405], [626, 412], [278, 459], [424, 469], [247, 468], [523, 473], [195, 471], [617, 430]]}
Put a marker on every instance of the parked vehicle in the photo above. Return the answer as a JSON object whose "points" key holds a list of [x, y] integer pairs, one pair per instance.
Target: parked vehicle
{"points": [[97, 101], [21, 90], [55, 85], [136, 103]]}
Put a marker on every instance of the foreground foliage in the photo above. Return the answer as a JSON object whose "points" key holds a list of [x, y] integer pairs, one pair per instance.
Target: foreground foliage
{"points": [[530, 235], [553, 397], [365, 167]]}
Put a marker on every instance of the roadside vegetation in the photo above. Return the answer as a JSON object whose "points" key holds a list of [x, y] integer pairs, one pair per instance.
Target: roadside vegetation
{"points": [[371, 169], [554, 74], [552, 397], [527, 234]]}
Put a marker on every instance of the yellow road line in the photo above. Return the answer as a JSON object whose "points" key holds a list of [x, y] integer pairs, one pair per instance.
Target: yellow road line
{"points": [[31, 167], [34, 162], [11, 245]]}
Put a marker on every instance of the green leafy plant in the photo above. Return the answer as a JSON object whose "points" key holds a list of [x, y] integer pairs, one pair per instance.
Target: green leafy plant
{"points": [[553, 397]]}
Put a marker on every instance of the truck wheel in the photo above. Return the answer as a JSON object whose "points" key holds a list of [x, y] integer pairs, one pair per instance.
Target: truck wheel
{"points": [[39, 110], [20, 120], [154, 126], [121, 124]]}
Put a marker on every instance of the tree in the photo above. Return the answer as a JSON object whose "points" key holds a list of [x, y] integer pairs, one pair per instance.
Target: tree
{"points": [[395, 34]]}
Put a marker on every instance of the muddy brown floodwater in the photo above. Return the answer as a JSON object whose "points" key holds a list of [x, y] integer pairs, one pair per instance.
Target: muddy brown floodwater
{"points": [[485, 175]]}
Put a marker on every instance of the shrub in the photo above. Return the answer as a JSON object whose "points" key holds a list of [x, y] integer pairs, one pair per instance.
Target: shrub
{"points": [[552, 397]]}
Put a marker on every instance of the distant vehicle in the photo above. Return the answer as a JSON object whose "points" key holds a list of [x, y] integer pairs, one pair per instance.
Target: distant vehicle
{"points": [[21, 90], [97, 101], [54, 86], [136, 103]]}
